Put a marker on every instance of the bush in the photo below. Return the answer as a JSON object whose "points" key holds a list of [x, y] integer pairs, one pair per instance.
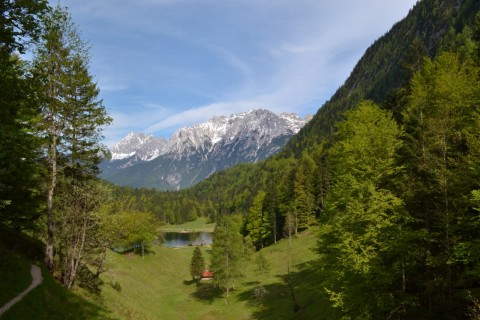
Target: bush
{"points": [[89, 281], [115, 285]]}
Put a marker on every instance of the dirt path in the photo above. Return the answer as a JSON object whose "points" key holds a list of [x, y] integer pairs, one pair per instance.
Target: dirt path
{"points": [[37, 279]]}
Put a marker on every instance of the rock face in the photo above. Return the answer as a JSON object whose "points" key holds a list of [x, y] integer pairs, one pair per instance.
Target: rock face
{"points": [[193, 154]]}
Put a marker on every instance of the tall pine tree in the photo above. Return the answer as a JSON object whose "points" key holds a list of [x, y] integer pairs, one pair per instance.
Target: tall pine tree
{"points": [[73, 114]]}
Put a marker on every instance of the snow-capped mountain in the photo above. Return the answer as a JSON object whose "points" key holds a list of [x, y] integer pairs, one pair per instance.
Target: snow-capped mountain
{"points": [[192, 154]]}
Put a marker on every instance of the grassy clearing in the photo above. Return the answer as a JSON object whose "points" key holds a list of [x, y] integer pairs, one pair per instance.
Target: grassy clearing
{"points": [[200, 224], [160, 287]]}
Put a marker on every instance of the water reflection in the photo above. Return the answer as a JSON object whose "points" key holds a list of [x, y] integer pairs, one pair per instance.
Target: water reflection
{"points": [[179, 239]]}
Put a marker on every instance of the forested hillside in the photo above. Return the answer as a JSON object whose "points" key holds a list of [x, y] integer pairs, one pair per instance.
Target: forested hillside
{"points": [[430, 27], [387, 175], [388, 171], [388, 62]]}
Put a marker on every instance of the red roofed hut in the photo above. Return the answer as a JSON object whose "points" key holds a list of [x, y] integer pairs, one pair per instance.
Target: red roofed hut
{"points": [[207, 275]]}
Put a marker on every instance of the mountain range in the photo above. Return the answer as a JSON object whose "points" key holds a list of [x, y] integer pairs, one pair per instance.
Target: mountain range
{"points": [[193, 154]]}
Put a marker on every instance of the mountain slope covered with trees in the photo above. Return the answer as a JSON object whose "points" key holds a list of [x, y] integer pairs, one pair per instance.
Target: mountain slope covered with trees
{"points": [[387, 171]]}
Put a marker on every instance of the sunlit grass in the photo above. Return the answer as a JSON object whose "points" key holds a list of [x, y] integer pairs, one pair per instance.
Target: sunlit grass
{"points": [[160, 286], [200, 224]]}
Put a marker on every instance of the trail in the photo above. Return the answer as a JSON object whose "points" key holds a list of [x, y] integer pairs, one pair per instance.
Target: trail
{"points": [[37, 279]]}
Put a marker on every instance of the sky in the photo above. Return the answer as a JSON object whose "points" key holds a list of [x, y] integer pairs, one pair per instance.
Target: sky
{"points": [[166, 64]]}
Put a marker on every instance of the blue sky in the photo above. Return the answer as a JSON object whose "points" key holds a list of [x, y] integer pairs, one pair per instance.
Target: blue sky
{"points": [[166, 64]]}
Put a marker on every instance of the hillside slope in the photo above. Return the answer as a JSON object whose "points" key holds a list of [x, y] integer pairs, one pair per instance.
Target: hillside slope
{"points": [[376, 76], [47, 301], [381, 68], [160, 286]]}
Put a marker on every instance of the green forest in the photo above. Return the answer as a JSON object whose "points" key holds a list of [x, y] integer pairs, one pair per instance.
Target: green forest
{"points": [[386, 176]]}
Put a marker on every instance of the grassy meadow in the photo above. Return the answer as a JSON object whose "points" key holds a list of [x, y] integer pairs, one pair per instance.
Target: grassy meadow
{"points": [[159, 286]]}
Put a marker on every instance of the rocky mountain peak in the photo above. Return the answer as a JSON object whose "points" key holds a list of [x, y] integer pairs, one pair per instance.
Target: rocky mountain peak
{"points": [[215, 144]]}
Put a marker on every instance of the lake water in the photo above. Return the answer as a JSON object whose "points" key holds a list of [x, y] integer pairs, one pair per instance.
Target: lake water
{"points": [[182, 239]]}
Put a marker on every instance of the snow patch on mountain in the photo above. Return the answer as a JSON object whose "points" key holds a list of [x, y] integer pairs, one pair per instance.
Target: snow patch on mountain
{"points": [[192, 154]]}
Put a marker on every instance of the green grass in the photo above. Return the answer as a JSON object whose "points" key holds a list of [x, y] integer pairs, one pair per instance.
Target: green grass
{"points": [[159, 286], [200, 224], [47, 301]]}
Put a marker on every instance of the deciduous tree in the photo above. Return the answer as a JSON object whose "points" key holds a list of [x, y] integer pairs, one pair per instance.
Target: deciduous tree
{"points": [[258, 221], [229, 254], [364, 226]]}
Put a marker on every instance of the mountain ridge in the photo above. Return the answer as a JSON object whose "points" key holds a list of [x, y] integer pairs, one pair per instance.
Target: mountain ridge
{"points": [[192, 154]]}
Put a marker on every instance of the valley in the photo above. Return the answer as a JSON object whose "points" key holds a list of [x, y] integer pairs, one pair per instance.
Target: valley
{"points": [[369, 210], [159, 286]]}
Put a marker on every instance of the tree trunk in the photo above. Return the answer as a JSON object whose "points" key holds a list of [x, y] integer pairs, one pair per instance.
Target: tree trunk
{"points": [[296, 307], [227, 282], [51, 188]]}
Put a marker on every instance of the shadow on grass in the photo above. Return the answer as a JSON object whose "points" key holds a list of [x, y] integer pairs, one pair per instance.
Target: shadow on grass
{"points": [[189, 282], [47, 301], [207, 292], [275, 301], [52, 301]]}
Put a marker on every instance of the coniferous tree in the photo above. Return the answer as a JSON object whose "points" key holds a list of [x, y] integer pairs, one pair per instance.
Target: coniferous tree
{"points": [[230, 252], [197, 264], [304, 205], [443, 127], [20, 172], [73, 115]]}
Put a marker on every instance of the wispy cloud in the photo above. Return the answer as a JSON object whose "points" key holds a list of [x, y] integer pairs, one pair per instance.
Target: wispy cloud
{"points": [[165, 64]]}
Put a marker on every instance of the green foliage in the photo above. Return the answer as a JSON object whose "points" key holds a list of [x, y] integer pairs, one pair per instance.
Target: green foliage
{"points": [[19, 170], [229, 254], [137, 229], [364, 223], [197, 264], [19, 24], [70, 124], [258, 221], [78, 220], [73, 114], [443, 124], [304, 203]]}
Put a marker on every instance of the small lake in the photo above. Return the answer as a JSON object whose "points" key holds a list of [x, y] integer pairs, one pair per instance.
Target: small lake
{"points": [[182, 239]]}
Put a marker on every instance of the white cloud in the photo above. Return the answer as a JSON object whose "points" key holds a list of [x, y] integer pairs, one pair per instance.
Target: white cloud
{"points": [[164, 64]]}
